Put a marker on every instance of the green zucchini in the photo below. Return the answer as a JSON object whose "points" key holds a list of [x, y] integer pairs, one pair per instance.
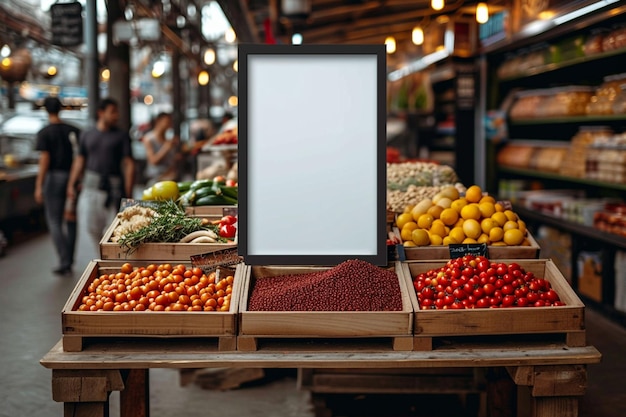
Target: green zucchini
{"points": [[230, 192], [211, 200], [200, 184], [184, 186], [204, 191]]}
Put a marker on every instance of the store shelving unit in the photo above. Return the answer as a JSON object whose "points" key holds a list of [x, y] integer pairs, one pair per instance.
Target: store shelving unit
{"points": [[586, 70]]}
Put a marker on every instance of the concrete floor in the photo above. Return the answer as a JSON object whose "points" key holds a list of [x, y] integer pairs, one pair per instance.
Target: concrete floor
{"points": [[31, 299]]}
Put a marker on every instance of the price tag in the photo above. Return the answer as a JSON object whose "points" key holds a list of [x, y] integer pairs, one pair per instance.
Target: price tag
{"points": [[210, 262], [459, 250]]}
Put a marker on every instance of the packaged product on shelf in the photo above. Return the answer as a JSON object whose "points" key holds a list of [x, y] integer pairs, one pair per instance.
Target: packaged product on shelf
{"points": [[574, 165], [593, 44], [590, 274], [526, 104], [615, 39], [612, 219], [619, 104], [515, 155], [568, 101], [605, 95]]}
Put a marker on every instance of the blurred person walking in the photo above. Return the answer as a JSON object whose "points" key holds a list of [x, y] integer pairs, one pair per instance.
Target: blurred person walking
{"points": [[58, 144], [162, 153], [107, 168]]}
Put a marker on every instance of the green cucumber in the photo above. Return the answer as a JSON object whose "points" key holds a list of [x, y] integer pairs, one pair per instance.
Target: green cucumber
{"points": [[211, 200], [204, 191], [200, 184], [184, 186], [229, 200], [230, 192]]}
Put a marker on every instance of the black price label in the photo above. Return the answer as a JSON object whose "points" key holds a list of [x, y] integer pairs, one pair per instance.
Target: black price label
{"points": [[459, 250], [67, 24], [211, 261]]}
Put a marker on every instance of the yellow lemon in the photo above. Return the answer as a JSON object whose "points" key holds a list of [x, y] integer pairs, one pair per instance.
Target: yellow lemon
{"points": [[487, 199], [421, 208], [483, 238], [448, 240], [406, 231], [513, 237], [473, 194], [486, 209], [437, 197], [426, 220], [451, 192], [457, 234], [408, 208], [500, 243], [509, 225], [499, 207], [499, 218], [403, 219], [496, 234], [521, 225], [487, 224], [435, 211], [449, 216], [471, 211], [469, 240], [436, 240], [409, 244], [459, 222], [510, 215], [458, 204], [438, 228], [420, 237], [471, 228]]}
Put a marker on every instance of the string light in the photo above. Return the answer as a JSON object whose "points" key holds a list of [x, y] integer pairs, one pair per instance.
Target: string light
{"points": [[203, 78], [437, 4], [482, 13], [230, 35], [209, 56], [390, 43], [417, 36]]}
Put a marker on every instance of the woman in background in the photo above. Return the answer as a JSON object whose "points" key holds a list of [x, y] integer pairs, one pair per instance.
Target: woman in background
{"points": [[162, 154]]}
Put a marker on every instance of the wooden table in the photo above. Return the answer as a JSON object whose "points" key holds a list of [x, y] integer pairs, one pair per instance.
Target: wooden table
{"points": [[555, 373]]}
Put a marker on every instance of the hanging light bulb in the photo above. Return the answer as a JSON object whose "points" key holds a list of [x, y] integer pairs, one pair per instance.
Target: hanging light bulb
{"points": [[437, 4], [209, 56], [230, 35], [482, 13], [390, 43], [417, 36], [203, 78], [236, 65]]}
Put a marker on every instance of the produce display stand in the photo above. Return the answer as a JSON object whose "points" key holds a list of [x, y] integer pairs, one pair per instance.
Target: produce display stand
{"points": [[217, 329], [160, 251], [394, 327], [209, 210], [567, 320], [554, 373]]}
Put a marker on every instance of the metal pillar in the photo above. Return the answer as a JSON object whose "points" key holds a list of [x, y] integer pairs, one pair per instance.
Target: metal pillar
{"points": [[91, 61], [118, 61], [177, 99]]}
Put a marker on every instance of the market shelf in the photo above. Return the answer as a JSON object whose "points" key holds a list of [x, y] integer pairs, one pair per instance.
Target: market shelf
{"points": [[571, 227], [559, 177], [572, 119], [557, 66]]}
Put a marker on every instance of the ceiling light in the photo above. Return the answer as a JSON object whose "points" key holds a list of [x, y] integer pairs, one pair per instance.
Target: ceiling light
{"points": [[417, 36], [52, 71], [158, 69], [233, 101], [482, 13], [5, 51], [437, 4], [209, 56], [105, 74], [236, 65], [390, 43], [296, 39], [230, 35]]}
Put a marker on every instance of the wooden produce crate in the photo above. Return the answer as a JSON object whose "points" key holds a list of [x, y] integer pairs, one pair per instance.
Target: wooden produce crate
{"points": [[334, 330], [162, 251], [208, 210], [79, 327], [568, 320], [495, 252]]}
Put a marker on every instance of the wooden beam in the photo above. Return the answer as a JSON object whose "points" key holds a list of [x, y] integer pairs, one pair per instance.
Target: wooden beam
{"points": [[241, 19]]}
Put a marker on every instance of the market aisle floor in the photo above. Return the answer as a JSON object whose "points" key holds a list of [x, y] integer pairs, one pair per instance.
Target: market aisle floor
{"points": [[31, 300]]}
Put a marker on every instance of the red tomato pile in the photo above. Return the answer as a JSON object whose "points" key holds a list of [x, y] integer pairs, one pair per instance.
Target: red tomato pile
{"points": [[158, 288], [476, 282]]}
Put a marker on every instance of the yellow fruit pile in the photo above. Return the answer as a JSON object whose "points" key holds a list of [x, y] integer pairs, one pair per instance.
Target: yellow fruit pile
{"points": [[448, 218]]}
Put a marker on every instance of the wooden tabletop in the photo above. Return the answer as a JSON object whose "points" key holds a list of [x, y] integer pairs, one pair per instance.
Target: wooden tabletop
{"points": [[193, 353]]}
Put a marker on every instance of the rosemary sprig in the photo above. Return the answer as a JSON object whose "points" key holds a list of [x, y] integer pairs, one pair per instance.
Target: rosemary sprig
{"points": [[170, 224]]}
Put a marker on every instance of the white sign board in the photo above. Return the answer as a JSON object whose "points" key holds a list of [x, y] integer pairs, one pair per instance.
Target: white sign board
{"points": [[312, 154]]}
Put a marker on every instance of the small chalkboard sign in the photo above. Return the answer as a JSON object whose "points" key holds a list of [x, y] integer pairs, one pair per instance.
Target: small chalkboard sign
{"points": [[67, 23], [458, 250], [209, 262]]}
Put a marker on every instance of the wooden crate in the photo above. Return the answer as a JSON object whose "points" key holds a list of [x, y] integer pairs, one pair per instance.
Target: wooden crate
{"points": [[394, 327], [495, 252], [79, 326], [568, 320], [161, 251], [207, 210]]}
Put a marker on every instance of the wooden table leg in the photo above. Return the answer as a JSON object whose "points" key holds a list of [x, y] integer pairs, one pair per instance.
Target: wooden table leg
{"points": [[85, 392], [135, 398], [555, 390]]}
